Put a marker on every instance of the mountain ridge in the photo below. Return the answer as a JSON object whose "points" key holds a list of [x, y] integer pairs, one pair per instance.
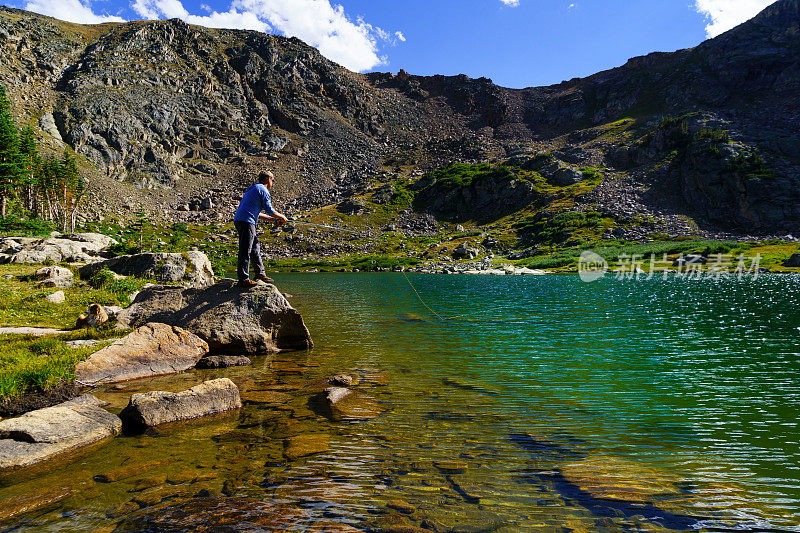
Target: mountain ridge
{"points": [[166, 113]]}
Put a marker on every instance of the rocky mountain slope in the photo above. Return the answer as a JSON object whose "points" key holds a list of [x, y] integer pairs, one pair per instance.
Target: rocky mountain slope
{"points": [[175, 119]]}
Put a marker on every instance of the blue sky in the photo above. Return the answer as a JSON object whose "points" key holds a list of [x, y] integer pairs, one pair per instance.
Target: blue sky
{"points": [[516, 43]]}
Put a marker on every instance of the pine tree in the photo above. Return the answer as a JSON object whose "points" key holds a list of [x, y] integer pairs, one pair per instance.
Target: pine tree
{"points": [[10, 169], [31, 164]]}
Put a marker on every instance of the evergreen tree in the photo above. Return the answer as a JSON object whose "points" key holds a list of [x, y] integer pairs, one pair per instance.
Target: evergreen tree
{"points": [[10, 169], [31, 164]]}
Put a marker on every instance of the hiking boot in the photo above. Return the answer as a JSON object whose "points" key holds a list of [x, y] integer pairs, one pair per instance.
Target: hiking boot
{"points": [[265, 279], [247, 283]]}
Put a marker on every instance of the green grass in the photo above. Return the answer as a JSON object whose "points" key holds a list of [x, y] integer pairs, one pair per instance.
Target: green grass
{"points": [[37, 364], [463, 175], [22, 302]]}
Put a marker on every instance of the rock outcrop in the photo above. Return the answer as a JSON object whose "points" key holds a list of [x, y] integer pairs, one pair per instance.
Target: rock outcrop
{"points": [[159, 407], [793, 261], [44, 433], [229, 318], [54, 276], [190, 269], [74, 248], [152, 349]]}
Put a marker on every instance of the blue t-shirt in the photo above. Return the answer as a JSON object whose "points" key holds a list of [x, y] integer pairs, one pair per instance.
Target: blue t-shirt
{"points": [[255, 200]]}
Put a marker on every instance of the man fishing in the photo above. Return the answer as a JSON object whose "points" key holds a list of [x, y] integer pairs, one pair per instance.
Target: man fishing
{"points": [[256, 205]]}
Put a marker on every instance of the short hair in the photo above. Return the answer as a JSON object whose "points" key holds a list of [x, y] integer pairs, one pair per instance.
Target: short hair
{"points": [[264, 175]]}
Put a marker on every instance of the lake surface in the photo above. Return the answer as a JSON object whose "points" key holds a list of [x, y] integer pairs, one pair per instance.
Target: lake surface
{"points": [[537, 404]]}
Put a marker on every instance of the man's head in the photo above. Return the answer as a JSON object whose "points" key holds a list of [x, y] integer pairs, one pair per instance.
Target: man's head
{"points": [[266, 178]]}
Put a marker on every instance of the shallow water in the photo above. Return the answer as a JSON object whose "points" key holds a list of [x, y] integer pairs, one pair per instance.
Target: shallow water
{"points": [[547, 403]]}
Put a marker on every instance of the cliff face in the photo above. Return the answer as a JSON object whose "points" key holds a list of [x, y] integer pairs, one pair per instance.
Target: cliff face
{"points": [[164, 111]]}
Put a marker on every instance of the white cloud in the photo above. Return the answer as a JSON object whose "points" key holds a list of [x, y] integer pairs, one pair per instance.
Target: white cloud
{"points": [[726, 14], [157, 9], [70, 10], [352, 43], [511, 3]]}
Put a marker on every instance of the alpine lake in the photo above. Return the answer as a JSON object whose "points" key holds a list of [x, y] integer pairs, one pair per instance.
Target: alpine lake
{"points": [[531, 403]]}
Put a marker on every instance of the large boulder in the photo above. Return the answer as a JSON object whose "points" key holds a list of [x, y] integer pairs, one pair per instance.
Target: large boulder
{"points": [[153, 349], [75, 248], [41, 434], [231, 319], [191, 269], [159, 407]]}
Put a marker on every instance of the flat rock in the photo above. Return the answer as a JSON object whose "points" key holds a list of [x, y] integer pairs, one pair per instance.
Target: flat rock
{"points": [[150, 350], [41, 434], [266, 396], [230, 318], [159, 407], [36, 332], [618, 479], [223, 361], [344, 404], [304, 445], [217, 514], [191, 269]]}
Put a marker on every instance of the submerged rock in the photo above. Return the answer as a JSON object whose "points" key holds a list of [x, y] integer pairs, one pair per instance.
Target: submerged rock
{"points": [[41, 434], [150, 350], [471, 385], [223, 361], [191, 269], [618, 479], [159, 407], [228, 317], [341, 380], [304, 445], [229, 514], [344, 404]]}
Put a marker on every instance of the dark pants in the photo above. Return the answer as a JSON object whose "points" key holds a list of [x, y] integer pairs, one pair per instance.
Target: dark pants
{"points": [[249, 250]]}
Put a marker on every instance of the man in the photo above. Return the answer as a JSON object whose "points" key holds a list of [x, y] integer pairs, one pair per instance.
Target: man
{"points": [[255, 200]]}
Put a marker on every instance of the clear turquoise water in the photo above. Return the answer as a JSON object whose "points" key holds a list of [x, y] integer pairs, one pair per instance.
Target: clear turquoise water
{"points": [[547, 404]]}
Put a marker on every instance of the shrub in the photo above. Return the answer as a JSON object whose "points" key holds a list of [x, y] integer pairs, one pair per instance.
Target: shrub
{"points": [[102, 279]]}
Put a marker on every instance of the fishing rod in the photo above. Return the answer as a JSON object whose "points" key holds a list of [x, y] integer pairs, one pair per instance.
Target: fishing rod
{"points": [[323, 226]]}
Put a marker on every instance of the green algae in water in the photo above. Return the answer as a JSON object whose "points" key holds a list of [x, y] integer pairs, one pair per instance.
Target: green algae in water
{"points": [[662, 405]]}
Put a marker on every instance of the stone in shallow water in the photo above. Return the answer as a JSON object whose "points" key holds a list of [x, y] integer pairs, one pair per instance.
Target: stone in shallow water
{"points": [[304, 445], [266, 396], [475, 386], [129, 470], [341, 380], [41, 434], [401, 506], [344, 404], [223, 361], [159, 407], [19, 505], [618, 479], [150, 350]]}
